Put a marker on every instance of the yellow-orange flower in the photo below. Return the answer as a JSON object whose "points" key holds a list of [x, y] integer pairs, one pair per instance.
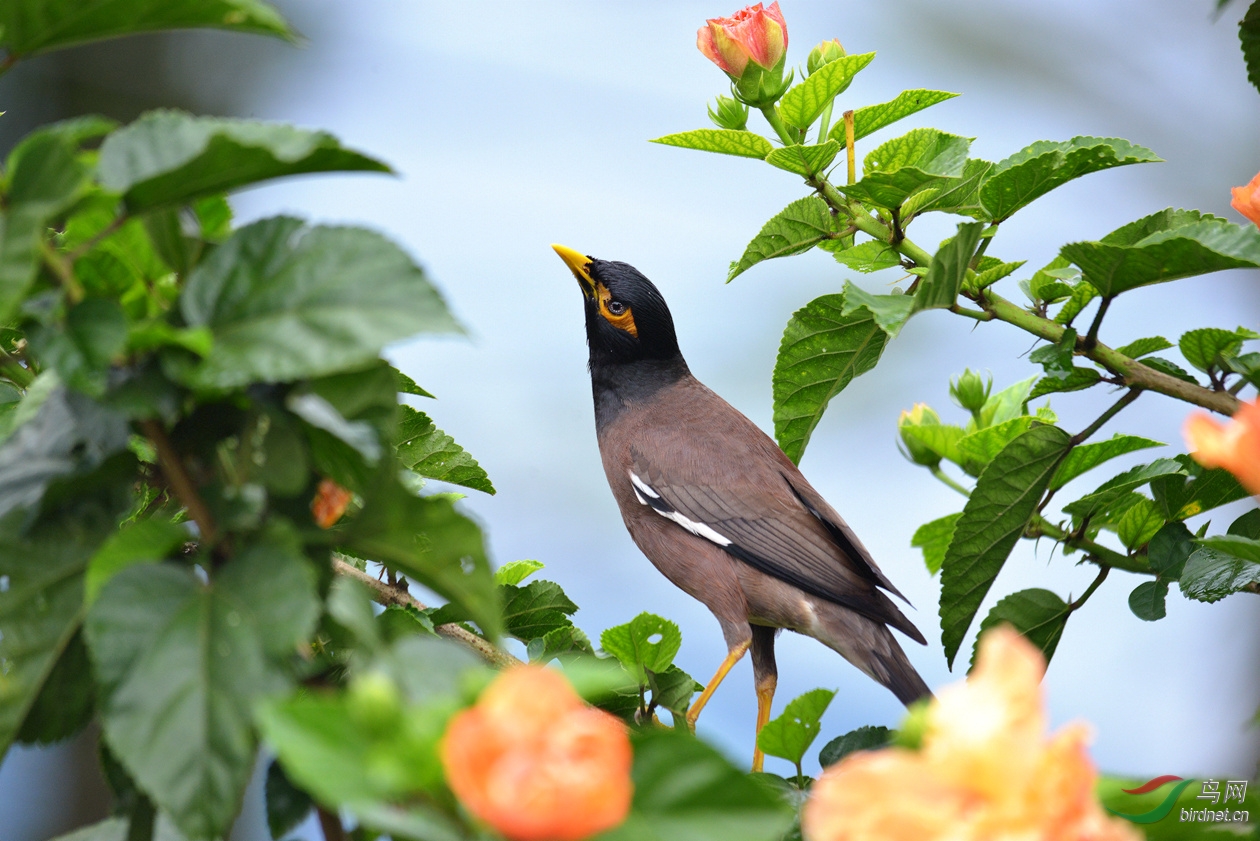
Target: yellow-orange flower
{"points": [[1234, 446], [1246, 200], [985, 772], [329, 503], [537, 764]]}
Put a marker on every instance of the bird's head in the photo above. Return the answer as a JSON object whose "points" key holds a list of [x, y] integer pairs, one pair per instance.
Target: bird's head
{"points": [[626, 317]]}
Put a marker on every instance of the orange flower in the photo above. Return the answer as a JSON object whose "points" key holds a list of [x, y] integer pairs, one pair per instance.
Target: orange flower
{"points": [[751, 34], [1246, 200], [1234, 446], [329, 503], [986, 771], [537, 764]]}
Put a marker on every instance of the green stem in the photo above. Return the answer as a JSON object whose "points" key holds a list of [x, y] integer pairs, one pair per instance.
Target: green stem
{"points": [[16, 373], [978, 315], [944, 477], [776, 123], [1091, 338], [824, 122], [1131, 395], [1039, 526], [63, 270], [1089, 591]]}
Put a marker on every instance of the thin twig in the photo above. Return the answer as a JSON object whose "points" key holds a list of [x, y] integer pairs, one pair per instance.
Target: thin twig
{"points": [[179, 480], [1089, 591], [63, 270], [1091, 338], [331, 825], [1129, 396], [384, 594]]}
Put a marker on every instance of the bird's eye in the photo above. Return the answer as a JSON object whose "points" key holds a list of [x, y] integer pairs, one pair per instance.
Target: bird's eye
{"points": [[616, 307]]}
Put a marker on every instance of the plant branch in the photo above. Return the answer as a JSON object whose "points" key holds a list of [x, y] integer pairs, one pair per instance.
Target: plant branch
{"points": [[776, 123], [330, 824], [1129, 396], [978, 315], [63, 270], [1091, 338], [1089, 591], [179, 480], [1039, 526], [944, 477], [383, 593]]}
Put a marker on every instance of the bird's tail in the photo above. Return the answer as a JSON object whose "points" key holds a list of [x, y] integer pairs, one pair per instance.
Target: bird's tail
{"points": [[871, 647]]}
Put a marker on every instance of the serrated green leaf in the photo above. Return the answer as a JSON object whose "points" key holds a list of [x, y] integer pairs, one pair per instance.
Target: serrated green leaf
{"points": [[514, 572], [1164, 246], [941, 439], [1117, 486], [791, 734], [904, 165], [1088, 456], [1248, 366], [794, 230], [1237, 545], [871, 118], [398, 621], [1005, 496], [406, 385], [82, 349], [804, 102], [1077, 379], [1248, 525], [744, 144], [993, 274], [863, 738], [1056, 359], [432, 453], [1169, 549], [980, 447], [1139, 524], [948, 269], [1081, 295], [1005, 404], [1211, 347], [890, 311], [1195, 490], [168, 157], [646, 642], [806, 161], [1141, 347], [934, 538], [821, 352], [1210, 575], [1249, 36], [1038, 614], [1037, 169], [961, 194], [869, 256], [313, 301], [672, 690], [535, 610]]}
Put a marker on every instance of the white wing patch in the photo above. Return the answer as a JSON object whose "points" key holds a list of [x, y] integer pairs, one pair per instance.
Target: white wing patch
{"points": [[646, 496]]}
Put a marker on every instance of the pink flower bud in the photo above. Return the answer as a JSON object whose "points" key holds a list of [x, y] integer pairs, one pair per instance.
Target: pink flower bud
{"points": [[751, 34], [1246, 200]]}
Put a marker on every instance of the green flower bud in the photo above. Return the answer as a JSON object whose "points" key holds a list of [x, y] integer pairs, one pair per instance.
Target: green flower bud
{"points": [[729, 114], [970, 390], [916, 450], [824, 53]]}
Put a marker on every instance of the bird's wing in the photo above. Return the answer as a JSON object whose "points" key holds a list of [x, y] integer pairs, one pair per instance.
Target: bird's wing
{"points": [[776, 531]]}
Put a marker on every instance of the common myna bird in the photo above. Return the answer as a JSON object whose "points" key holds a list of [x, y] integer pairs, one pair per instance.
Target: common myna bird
{"points": [[719, 509]]}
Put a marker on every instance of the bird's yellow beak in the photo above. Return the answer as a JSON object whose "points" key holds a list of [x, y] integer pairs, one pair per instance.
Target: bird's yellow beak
{"points": [[577, 263]]}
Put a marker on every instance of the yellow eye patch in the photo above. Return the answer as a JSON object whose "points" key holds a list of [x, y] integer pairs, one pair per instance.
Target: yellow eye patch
{"points": [[623, 320]]}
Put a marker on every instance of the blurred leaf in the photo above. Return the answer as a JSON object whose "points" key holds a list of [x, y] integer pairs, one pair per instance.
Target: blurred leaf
{"points": [[821, 352], [144, 541], [34, 26], [1147, 600], [65, 703], [1194, 489], [1038, 614], [398, 621], [1037, 169], [1211, 575], [181, 664], [1139, 524], [791, 734], [536, 609], [871, 118], [1141, 347], [949, 266], [685, 789], [869, 256], [863, 738], [1210, 347], [979, 448], [1248, 525], [934, 538], [794, 230], [645, 642], [169, 157], [287, 805], [890, 311], [904, 165], [285, 301], [1164, 246], [319, 413], [805, 161], [803, 104], [432, 453], [94, 333], [1249, 35], [1086, 457], [514, 572], [1184, 794], [1246, 365], [744, 144], [1005, 496], [1076, 380]]}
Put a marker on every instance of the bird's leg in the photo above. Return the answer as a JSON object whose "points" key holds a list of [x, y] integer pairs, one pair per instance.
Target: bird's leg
{"points": [[732, 657], [766, 678]]}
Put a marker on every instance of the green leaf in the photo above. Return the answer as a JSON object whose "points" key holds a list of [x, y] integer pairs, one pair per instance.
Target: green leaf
{"points": [[1037, 169], [1141, 347], [1005, 496], [1210, 347], [65, 703], [1086, 457], [319, 413], [169, 158], [1006, 404], [934, 538], [1081, 295], [1170, 368], [1164, 246], [904, 165], [1195, 490], [673, 689], [1249, 35], [949, 267], [406, 385], [141, 542], [426, 538], [803, 104], [1118, 486], [535, 610], [1138, 524], [35, 26], [1238, 545], [890, 311], [1147, 601], [821, 352], [870, 256], [979, 448], [791, 734], [991, 275], [645, 642], [94, 334], [287, 805], [1076, 380], [794, 230], [1248, 366], [1169, 550], [182, 663], [285, 302], [514, 572], [806, 161], [941, 439], [431, 453], [1056, 359], [685, 789], [871, 118], [1211, 575], [398, 621], [1038, 614], [745, 144], [863, 738], [961, 194]]}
